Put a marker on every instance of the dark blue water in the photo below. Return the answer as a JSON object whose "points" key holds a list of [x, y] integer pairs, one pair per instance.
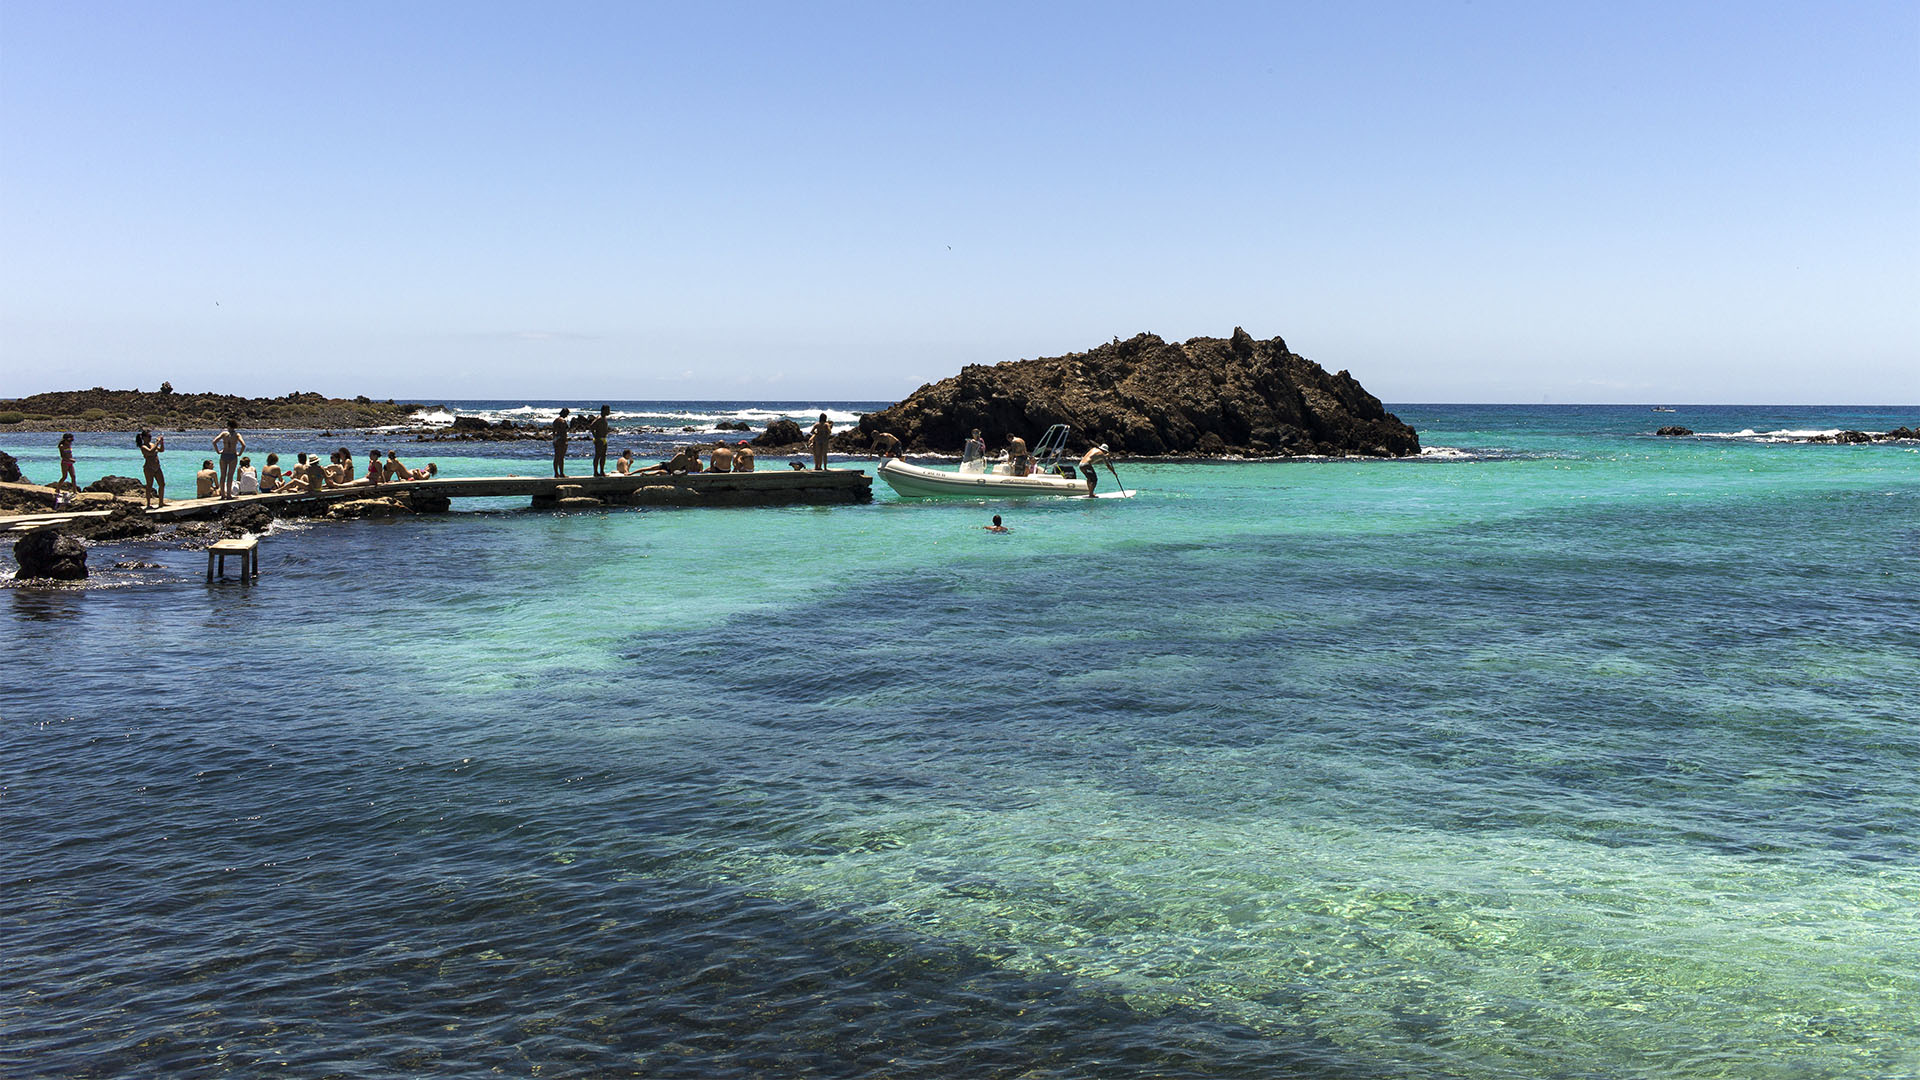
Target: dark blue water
{"points": [[1567, 751]]}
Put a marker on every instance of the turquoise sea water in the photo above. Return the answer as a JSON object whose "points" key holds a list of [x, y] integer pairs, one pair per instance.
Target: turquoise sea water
{"points": [[1565, 751]]}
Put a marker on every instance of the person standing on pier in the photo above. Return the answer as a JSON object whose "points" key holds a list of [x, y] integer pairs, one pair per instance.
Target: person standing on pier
{"points": [[150, 450], [599, 430], [560, 444], [230, 445], [822, 438], [67, 475]]}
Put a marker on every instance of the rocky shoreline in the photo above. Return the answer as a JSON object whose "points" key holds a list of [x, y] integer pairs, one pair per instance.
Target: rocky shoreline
{"points": [[1841, 438], [100, 409]]}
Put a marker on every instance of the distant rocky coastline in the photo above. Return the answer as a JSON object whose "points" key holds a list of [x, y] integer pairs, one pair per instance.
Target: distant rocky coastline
{"points": [[1147, 397], [1844, 438], [100, 409]]}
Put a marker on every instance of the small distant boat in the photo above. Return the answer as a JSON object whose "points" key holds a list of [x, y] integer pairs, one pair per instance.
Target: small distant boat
{"points": [[1661, 408], [979, 477]]}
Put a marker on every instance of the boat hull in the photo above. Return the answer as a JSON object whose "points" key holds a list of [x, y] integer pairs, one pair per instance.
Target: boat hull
{"points": [[919, 482]]}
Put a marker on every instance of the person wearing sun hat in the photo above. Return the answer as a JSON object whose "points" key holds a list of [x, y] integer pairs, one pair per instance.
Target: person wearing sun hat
{"points": [[1089, 466]]}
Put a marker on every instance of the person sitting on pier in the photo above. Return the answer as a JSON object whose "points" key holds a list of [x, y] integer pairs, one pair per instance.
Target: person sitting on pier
{"points": [[302, 476], [340, 471], [624, 464], [270, 476], [376, 470], [245, 482], [206, 482], [393, 469], [722, 458], [743, 457]]}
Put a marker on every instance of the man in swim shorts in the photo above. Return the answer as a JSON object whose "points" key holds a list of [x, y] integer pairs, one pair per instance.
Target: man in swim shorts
{"points": [[206, 481], [599, 429], [743, 457], [1089, 466], [822, 438], [560, 444]]}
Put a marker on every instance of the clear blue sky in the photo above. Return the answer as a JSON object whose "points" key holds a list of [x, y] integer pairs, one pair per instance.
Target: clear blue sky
{"points": [[1456, 201]]}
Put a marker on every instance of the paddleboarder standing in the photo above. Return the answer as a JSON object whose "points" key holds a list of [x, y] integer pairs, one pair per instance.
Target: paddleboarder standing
{"points": [[1089, 466]]}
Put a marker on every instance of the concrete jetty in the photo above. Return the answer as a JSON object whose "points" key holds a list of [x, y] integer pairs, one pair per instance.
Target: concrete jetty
{"points": [[773, 487]]}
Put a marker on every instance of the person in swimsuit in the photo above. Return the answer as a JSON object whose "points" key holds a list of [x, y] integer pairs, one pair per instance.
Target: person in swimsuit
{"points": [[743, 457], [1090, 466], [394, 469], [599, 431], [1017, 455], [822, 436], [376, 471], [624, 465], [560, 444], [270, 476], [67, 475], [150, 450], [432, 470], [886, 445], [996, 527], [206, 482], [722, 458], [230, 444], [687, 459]]}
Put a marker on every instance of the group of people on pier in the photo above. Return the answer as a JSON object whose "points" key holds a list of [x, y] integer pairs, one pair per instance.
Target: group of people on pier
{"points": [[235, 476]]}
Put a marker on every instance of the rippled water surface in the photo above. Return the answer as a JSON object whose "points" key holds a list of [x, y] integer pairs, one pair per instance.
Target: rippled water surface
{"points": [[1568, 751]]}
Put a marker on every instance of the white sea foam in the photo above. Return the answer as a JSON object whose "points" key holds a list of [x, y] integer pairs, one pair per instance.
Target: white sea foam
{"points": [[433, 417], [1446, 453], [1779, 435]]}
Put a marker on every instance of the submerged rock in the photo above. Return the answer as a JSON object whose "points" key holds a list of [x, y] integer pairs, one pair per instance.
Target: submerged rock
{"points": [[385, 506], [52, 554], [1147, 396]]}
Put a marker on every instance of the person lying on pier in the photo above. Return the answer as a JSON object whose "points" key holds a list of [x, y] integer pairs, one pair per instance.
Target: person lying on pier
{"points": [[685, 460], [743, 457], [270, 477], [245, 482], [432, 470], [206, 481], [722, 458]]}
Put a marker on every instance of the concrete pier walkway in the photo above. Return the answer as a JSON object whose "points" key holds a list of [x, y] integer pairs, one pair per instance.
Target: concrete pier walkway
{"points": [[773, 487]]}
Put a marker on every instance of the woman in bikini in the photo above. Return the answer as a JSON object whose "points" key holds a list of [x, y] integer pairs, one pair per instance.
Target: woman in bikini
{"points": [[150, 450], [67, 475]]}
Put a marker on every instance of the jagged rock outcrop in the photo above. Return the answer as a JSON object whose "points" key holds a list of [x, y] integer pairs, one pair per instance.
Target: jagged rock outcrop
{"points": [[9, 469], [1147, 396], [52, 554], [781, 433], [1674, 429], [117, 485]]}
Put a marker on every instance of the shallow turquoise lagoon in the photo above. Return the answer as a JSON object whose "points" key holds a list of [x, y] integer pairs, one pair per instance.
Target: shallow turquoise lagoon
{"points": [[1565, 751]]}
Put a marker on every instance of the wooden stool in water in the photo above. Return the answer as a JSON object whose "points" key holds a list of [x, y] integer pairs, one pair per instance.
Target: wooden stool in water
{"points": [[248, 548]]}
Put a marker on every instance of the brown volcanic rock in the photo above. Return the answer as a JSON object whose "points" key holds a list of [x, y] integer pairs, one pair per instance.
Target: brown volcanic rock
{"points": [[50, 553], [100, 409], [1147, 396]]}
